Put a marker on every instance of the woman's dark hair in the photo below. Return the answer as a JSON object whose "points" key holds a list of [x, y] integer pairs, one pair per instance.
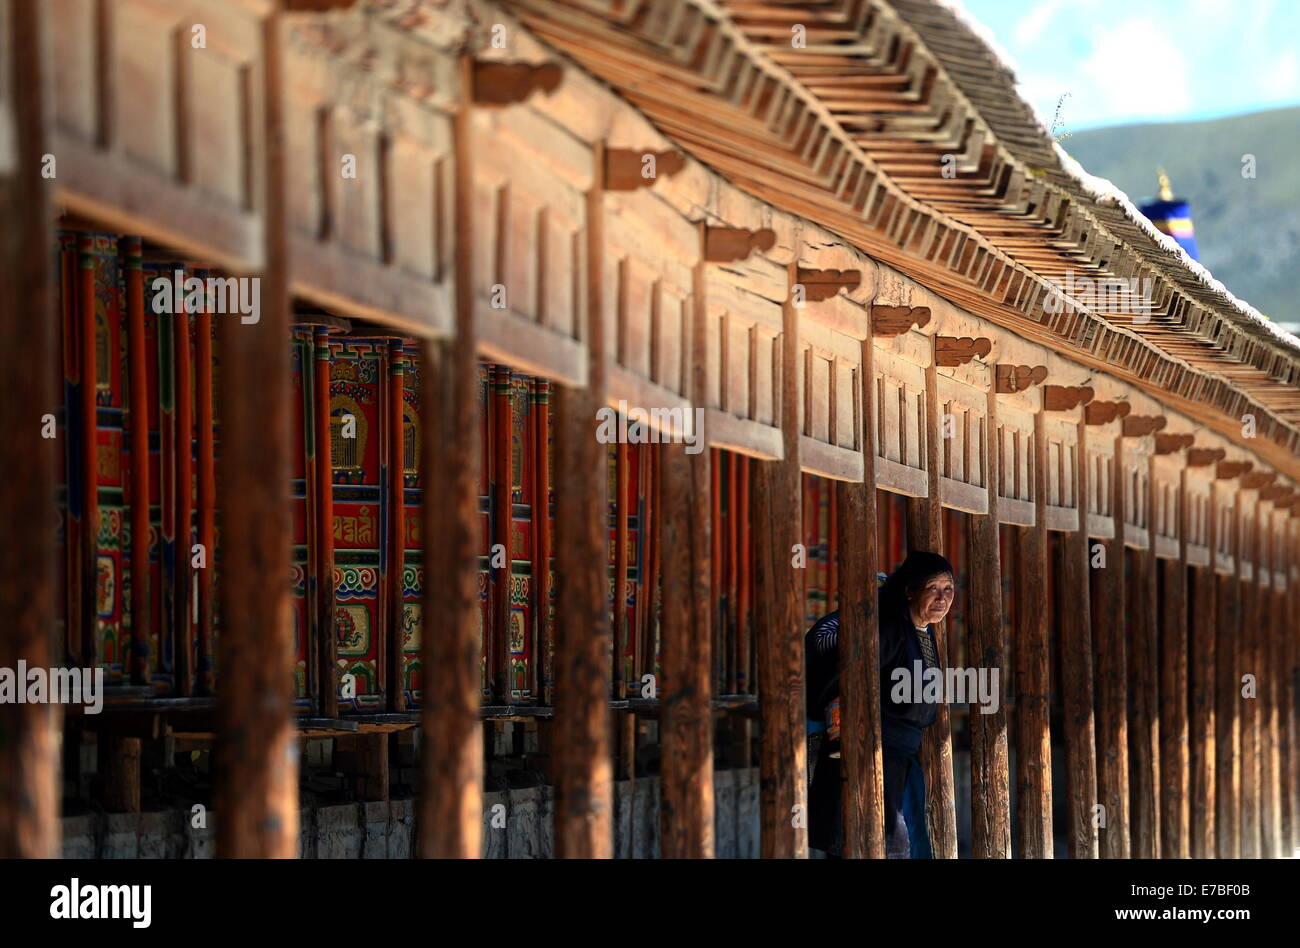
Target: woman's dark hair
{"points": [[910, 576]]}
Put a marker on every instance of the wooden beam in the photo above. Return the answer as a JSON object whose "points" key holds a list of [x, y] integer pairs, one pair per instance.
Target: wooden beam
{"points": [[1139, 426], [819, 285], [1009, 379], [626, 169], [783, 751], [257, 783], [986, 645], [1065, 398], [29, 754], [497, 83], [925, 532], [1103, 413], [953, 351], [686, 815], [730, 244], [894, 320], [1076, 673], [859, 644], [584, 788], [1110, 600], [1033, 671]]}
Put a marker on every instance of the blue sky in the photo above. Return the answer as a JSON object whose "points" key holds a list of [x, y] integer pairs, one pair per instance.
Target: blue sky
{"points": [[1123, 61]]}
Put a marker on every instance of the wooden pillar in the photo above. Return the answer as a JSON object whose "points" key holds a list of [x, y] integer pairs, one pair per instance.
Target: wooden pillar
{"points": [[1033, 671], [451, 758], [120, 760], [207, 498], [925, 532], [990, 770], [82, 638], [257, 782], [688, 532], [584, 790], [1248, 664], [1291, 764], [1202, 671], [183, 571], [396, 552], [326, 641], [1227, 737], [1076, 672], [1174, 772], [1143, 680], [1271, 677], [859, 643], [778, 526], [140, 401], [1108, 604], [29, 754]]}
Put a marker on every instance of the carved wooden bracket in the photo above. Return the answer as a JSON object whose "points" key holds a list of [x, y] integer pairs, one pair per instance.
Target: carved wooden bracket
{"points": [[1170, 443], [1009, 379], [508, 83], [1201, 457], [1257, 480], [1103, 413], [729, 244], [1227, 470], [821, 285], [1278, 494], [1064, 397], [625, 168], [1139, 426], [896, 320], [958, 350]]}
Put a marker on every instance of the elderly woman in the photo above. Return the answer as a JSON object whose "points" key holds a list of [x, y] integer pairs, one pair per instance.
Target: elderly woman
{"points": [[917, 595]]}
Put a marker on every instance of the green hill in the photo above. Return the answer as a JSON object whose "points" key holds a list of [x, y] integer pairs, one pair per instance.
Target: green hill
{"points": [[1248, 229]]}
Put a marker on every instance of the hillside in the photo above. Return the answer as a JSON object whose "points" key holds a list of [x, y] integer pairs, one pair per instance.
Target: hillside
{"points": [[1248, 229]]}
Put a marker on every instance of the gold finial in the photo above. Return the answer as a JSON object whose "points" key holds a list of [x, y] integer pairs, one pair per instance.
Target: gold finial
{"points": [[1166, 190]]}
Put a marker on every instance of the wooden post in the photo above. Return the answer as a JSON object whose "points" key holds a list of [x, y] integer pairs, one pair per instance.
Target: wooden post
{"points": [[1143, 681], [925, 532], [183, 571], [29, 754], [778, 526], [451, 758], [1248, 664], [83, 637], [1112, 669], [1033, 671], [141, 578], [990, 769], [396, 552], [120, 759], [1076, 670], [1272, 671], [257, 782], [1174, 774], [859, 642], [1202, 729], [584, 790], [326, 641], [207, 497], [1227, 737]]}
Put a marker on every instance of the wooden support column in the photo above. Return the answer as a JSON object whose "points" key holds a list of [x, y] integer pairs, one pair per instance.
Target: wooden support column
{"points": [[1109, 596], [1202, 683], [1291, 563], [859, 643], [183, 571], [326, 641], [82, 637], [119, 758], [257, 781], [990, 768], [207, 498], [778, 526], [687, 533], [1227, 736], [1076, 671], [584, 789], [1271, 678], [1248, 664], [451, 758], [29, 753], [1033, 671], [1144, 682], [925, 532], [139, 402], [1174, 762]]}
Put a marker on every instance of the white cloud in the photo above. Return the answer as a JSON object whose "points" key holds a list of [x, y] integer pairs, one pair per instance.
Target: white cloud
{"points": [[1135, 70], [1037, 20], [1281, 80]]}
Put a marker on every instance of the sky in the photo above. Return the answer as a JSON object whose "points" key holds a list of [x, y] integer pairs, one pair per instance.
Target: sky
{"points": [[1090, 63]]}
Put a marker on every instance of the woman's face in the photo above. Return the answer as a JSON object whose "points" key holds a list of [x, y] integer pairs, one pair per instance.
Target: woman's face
{"points": [[931, 602]]}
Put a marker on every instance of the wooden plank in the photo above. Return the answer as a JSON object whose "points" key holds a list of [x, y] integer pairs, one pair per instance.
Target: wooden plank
{"points": [[990, 773], [783, 752], [859, 646], [1033, 672], [451, 759], [1076, 677], [257, 783], [29, 756], [584, 784], [925, 532], [1109, 601]]}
